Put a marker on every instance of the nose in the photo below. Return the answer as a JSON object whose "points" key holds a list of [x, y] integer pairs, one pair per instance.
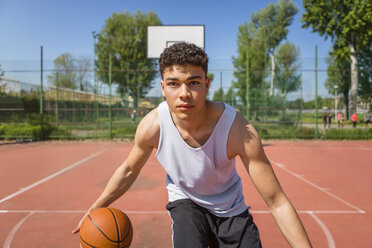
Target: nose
{"points": [[185, 92]]}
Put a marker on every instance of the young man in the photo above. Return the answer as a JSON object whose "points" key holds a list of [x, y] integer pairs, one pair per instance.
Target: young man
{"points": [[197, 142]]}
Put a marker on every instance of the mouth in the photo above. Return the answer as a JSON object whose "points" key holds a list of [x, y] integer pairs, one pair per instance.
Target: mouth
{"points": [[185, 106]]}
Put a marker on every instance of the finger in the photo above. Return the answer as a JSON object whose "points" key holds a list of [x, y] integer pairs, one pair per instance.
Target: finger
{"points": [[79, 225], [76, 230]]}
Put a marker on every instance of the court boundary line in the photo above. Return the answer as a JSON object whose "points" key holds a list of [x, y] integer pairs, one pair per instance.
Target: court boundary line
{"points": [[40, 211], [331, 241], [47, 178], [281, 166], [12, 233], [8, 241]]}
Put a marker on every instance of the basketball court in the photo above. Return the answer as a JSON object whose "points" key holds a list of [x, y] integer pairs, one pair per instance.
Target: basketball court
{"points": [[46, 187]]}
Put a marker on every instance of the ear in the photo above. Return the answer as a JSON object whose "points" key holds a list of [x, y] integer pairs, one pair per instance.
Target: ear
{"points": [[207, 83], [162, 87]]}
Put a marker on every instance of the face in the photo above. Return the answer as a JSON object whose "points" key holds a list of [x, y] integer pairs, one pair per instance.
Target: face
{"points": [[185, 89]]}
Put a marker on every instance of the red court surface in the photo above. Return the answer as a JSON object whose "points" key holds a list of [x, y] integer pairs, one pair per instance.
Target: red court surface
{"points": [[47, 186]]}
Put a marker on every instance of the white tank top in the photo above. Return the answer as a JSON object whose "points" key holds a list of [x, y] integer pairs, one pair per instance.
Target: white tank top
{"points": [[204, 174]]}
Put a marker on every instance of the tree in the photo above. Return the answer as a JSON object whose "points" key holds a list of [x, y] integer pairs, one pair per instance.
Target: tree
{"points": [[83, 66], [211, 77], [70, 72], [365, 81], [347, 23], [271, 25], [218, 95], [125, 37], [287, 80], [252, 49], [338, 75], [64, 74], [257, 40], [229, 97]]}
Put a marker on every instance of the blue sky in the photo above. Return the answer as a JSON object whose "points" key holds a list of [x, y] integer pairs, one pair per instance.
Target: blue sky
{"points": [[66, 26]]}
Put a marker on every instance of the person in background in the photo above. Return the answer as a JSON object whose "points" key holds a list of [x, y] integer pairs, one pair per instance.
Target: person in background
{"points": [[340, 120], [133, 116], [354, 118], [367, 119], [330, 115], [325, 117]]}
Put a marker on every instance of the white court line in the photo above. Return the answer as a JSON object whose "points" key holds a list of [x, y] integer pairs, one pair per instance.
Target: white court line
{"points": [[8, 241], [12, 233], [331, 148], [331, 242], [51, 176], [307, 211], [165, 212], [281, 166], [73, 211]]}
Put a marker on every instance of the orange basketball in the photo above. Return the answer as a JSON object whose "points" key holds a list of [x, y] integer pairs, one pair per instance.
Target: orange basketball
{"points": [[106, 228]]}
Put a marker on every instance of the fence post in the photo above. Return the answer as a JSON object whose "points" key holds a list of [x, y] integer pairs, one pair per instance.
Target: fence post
{"points": [[264, 84], [95, 110], [73, 107], [41, 94], [247, 84], [221, 83], [110, 71], [316, 93], [57, 117]]}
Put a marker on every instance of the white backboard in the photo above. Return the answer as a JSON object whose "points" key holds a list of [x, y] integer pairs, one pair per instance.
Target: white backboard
{"points": [[161, 37]]}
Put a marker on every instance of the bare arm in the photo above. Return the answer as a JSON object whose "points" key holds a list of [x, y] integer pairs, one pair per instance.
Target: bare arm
{"points": [[146, 139], [246, 143]]}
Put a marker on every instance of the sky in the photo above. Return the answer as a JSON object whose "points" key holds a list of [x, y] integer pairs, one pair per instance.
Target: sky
{"points": [[66, 26]]}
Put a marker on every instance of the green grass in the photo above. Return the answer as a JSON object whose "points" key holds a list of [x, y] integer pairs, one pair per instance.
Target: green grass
{"points": [[29, 131], [123, 128], [120, 128], [348, 134], [274, 131]]}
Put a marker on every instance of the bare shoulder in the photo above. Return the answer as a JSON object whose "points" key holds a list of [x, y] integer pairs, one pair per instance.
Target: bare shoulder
{"points": [[244, 140], [148, 130]]}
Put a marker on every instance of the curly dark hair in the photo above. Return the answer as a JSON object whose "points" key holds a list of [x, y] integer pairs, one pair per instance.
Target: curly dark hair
{"points": [[183, 53]]}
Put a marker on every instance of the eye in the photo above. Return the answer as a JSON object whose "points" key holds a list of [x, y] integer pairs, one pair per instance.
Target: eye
{"points": [[194, 83], [172, 84]]}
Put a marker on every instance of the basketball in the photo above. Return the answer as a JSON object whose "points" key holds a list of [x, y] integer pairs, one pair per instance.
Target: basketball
{"points": [[106, 228]]}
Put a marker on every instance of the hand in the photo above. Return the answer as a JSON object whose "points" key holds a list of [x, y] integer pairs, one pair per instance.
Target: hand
{"points": [[77, 229]]}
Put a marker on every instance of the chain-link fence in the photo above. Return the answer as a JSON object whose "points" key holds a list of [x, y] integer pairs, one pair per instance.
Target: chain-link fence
{"points": [[91, 108], [61, 113]]}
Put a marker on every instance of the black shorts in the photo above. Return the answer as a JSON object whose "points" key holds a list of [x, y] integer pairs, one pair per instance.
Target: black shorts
{"points": [[195, 227]]}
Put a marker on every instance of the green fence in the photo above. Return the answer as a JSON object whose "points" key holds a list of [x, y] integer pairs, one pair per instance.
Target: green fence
{"points": [[67, 113], [92, 112]]}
